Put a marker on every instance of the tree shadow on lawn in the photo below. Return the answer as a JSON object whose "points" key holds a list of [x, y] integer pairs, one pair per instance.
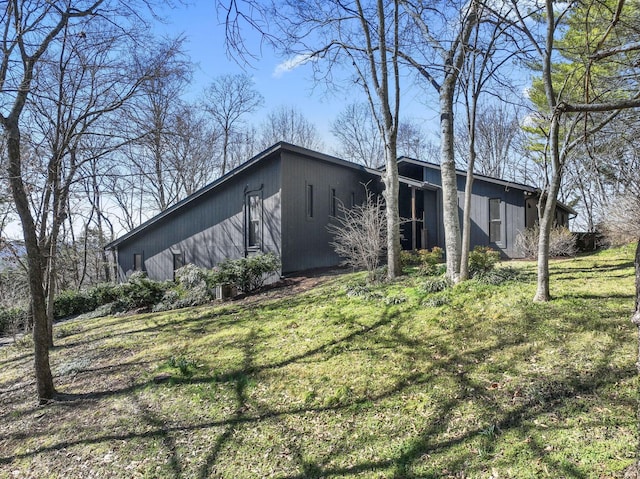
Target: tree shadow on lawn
{"points": [[430, 438], [625, 268], [200, 320]]}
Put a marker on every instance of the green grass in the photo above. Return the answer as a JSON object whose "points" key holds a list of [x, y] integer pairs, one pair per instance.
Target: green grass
{"points": [[385, 383]]}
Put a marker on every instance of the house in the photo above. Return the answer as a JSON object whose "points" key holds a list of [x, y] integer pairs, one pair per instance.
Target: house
{"points": [[282, 200], [500, 209]]}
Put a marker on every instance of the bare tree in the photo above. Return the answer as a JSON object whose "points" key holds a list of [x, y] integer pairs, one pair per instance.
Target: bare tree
{"points": [[487, 57], [189, 150], [359, 234], [28, 31], [289, 124], [150, 124], [365, 36], [358, 135], [80, 85], [360, 140], [33, 31], [228, 99], [445, 52], [596, 99], [599, 170], [244, 144], [412, 141], [498, 137]]}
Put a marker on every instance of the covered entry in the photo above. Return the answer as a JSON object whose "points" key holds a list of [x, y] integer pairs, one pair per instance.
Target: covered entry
{"points": [[419, 218]]}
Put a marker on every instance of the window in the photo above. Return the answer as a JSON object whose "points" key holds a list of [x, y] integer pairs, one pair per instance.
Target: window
{"points": [[254, 221], [353, 199], [495, 220], [178, 262], [333, 202], [309, 201], [137, 262]]}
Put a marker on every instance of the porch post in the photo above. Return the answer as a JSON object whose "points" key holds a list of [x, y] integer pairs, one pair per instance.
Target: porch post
{"points": [[413, 219]]}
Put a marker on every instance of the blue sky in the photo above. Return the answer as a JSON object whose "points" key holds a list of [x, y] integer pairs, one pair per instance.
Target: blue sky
{"points": [[279, 86]]}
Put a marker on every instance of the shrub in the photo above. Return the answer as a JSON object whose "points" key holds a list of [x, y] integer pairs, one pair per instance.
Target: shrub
{"points": [[360, 234], [190, 276], [72, 302], [104, 293], [141, 292], [561, 242], [409, 258], [435, 285], [482, 260], [247, 274], [194, 286], [12, 319], [430, 261]]}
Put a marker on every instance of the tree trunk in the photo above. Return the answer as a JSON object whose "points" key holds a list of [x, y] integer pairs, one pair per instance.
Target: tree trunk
{"points": [[468, 188], [44, 379], [634, 470], [452, 239], [466, 224], [391, 188], [225, 148], [546, 221]]}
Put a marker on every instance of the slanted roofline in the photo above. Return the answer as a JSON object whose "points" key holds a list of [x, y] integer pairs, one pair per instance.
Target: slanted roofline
{"points": [[268, 153], [490, 179]]}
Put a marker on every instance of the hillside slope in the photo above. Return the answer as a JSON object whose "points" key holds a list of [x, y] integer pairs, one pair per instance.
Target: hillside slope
{"points": [[343, 380]]}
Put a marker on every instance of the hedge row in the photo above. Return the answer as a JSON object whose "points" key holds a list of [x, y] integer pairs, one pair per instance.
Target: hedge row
{"points": [[193, 286]]}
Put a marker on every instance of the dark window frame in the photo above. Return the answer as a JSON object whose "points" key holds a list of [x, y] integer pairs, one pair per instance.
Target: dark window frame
{"points": [[178, 262], [309, 201], [496, 224], [138, 262], [333, 202], [254, 205]]}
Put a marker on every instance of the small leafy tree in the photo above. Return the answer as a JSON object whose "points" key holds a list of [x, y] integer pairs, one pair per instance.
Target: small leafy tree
{"points": [[360, 234]]}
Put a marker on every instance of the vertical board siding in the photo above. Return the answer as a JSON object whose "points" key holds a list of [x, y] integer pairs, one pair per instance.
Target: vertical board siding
{"points": [[209, 229], [514, 211], [306, 241]]}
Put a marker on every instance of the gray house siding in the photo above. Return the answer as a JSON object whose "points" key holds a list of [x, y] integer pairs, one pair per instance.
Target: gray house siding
{"points": [[210, 228], [512, 215], [283, 199], [512, 210], [305, 239]]}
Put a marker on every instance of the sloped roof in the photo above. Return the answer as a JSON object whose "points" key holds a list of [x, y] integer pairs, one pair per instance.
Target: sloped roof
{"points": [[490, 179], [262, 156]]}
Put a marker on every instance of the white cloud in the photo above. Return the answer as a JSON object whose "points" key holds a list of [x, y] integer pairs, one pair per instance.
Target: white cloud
{"points": [[290, 64]]}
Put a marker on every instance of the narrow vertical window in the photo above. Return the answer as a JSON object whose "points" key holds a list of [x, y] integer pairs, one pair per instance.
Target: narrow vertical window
{"points": [[178, 262], [495, 220], [309, 201], [137, 261], [353, 199], [334, 202], [254, 221]]}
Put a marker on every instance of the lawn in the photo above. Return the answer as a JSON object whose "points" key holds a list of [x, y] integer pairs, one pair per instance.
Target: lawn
{"points": [[343, 380]]}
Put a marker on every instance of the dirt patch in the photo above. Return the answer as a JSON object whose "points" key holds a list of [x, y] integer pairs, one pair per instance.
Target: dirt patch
{"points": [[292, 285]]}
